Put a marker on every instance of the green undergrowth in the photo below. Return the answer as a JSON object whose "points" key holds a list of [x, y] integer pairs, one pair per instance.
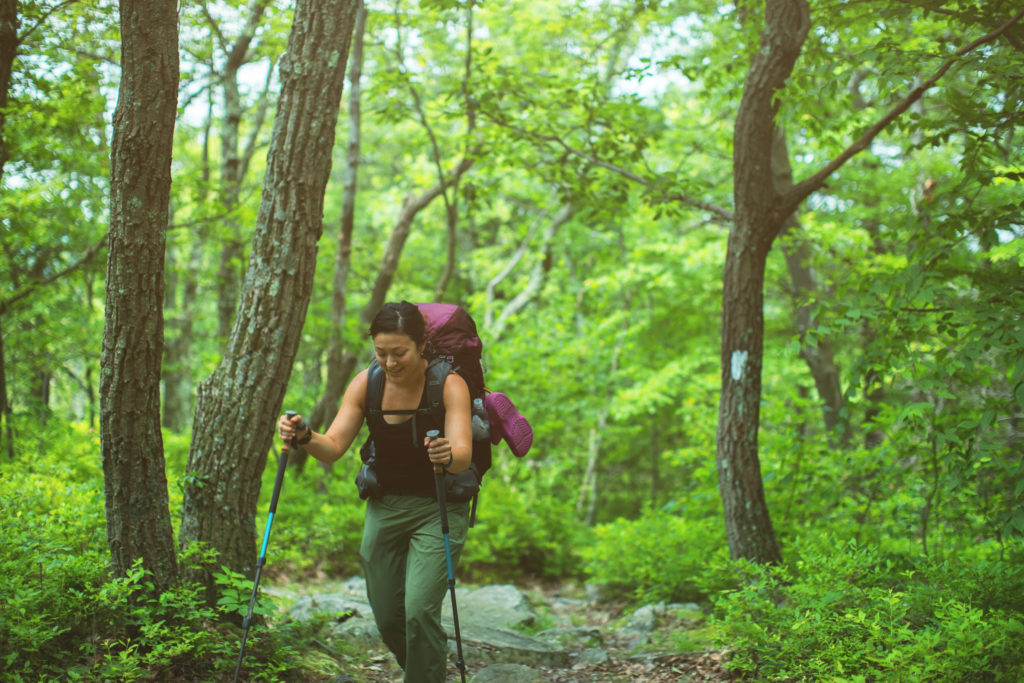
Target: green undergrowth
{"points": [[853, 613], [63, 616]]}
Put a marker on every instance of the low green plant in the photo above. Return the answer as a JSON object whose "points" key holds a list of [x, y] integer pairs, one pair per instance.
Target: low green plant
{"points": [[851, 613], [63, 616], [319, 523], [660, 557], [520, 534]]}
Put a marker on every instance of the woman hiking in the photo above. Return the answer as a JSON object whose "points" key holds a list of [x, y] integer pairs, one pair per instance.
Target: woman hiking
{"points": [[402, 551]]}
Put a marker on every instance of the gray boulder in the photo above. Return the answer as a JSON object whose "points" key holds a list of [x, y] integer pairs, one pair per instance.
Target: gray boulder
{"points": [[500, 606], [508, 673], [333, 605]]}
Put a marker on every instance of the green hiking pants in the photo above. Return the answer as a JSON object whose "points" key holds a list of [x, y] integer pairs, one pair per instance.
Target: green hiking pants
{"points": [[407, 578]]}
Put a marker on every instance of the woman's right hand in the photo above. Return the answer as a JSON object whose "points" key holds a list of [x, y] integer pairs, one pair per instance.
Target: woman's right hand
{"points": [[287, 428]]}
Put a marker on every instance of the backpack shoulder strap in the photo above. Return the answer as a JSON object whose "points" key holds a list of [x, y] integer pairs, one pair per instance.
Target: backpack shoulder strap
{"points": [[437, 372], [374, 394]]}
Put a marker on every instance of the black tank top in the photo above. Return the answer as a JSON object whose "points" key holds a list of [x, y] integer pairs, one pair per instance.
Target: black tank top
{"points": [[403, 467]]}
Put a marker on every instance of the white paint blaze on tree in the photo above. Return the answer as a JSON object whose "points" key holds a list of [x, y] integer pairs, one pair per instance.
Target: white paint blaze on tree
{"points": [[763, 207], [757, 221], [238, 404]]}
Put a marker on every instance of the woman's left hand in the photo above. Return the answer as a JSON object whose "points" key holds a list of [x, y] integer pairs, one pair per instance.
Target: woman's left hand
{"points": [[439, 451]]}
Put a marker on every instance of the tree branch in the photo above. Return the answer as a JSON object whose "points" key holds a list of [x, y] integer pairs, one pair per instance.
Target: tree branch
{"points": [[87, 255], [42, 20], [792, 199], [722, 214]]}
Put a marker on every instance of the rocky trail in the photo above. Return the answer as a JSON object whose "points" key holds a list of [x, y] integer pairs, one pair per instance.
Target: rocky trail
{"points": [[514, 636]]}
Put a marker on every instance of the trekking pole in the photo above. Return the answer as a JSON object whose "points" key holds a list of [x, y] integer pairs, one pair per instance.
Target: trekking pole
{"points": [[282, 463], [442, 503]]}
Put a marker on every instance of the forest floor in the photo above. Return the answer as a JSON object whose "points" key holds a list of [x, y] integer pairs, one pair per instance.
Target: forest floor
{"points": [[656, 662]]}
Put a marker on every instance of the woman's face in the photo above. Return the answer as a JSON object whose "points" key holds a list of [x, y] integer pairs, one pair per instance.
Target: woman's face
{"points": [[397, 353]]}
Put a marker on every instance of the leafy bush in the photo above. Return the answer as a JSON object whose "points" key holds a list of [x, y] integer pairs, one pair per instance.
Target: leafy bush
{"points": [[517, 534], [53, 558], [850, 613], [659, 557], [63, 616], [319, 522]]}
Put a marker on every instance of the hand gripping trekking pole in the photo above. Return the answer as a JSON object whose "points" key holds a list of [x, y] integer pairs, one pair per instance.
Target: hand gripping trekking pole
{"points": [[442, 503], [282, 464]]}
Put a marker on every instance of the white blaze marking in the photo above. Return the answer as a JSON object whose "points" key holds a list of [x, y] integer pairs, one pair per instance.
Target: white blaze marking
{"points": [[739, 361]]}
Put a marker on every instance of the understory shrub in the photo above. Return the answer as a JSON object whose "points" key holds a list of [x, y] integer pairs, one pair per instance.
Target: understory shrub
{"points": [[659, 557], [319, 522], [521, 535], [854, 614], [64, 617]]}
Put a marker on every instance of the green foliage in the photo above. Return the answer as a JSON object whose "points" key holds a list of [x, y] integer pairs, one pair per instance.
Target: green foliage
{"points": [[603, 327], [319, 523], [850, 612], [64, 615], [660, 557], [520, 532]]}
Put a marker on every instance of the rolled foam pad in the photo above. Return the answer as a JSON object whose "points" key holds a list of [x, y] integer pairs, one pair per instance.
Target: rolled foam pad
{"points": [[507, 423]]}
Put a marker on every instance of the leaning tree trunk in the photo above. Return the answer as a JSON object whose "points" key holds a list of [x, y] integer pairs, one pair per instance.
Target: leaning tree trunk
{"points": [[757, 222], [138, 513], [8, 50], [238, 405]]}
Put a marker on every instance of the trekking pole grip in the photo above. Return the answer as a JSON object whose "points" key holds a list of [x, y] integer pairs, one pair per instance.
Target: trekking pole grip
{"points": [[433, 434], [301, 426]]}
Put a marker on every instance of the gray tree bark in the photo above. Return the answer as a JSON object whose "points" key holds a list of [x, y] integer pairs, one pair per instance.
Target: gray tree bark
{"points": [[756, 223], [137, 507], [238, 405]]}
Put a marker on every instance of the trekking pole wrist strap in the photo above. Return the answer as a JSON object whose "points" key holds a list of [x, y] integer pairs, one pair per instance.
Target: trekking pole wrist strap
{"points": [[305, 438]]}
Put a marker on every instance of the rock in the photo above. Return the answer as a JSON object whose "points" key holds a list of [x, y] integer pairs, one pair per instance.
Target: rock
{"points": [[333, 605], [501, 606], [592, 655], [683, 607], [361, 630], [483, 643], [508, 673], [573, 635], [643, 620]]}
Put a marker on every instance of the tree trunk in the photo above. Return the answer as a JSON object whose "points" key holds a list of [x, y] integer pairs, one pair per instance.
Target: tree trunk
{"points": [[538, 275], [8, 51], [137, 507], [818, 356], [5, 405], [757, 222], [339, 363], [399, 234], [238, 405], [761, 212]]}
